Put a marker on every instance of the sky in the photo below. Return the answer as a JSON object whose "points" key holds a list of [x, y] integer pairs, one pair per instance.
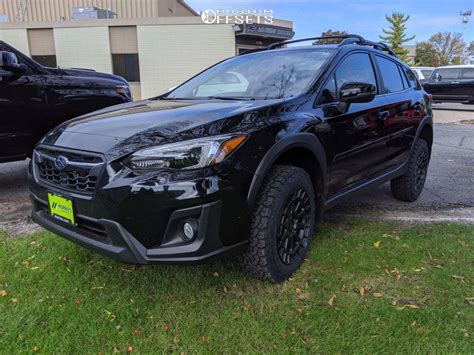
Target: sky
{"points": [[364, 17]]}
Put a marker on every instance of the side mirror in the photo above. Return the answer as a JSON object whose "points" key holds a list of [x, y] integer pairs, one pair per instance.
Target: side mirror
{"points": [[9, 63], [357, 92], [437, 77]]}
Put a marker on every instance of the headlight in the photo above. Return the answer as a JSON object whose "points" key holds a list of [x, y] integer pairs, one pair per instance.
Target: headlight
{"points": [[191, 154]]}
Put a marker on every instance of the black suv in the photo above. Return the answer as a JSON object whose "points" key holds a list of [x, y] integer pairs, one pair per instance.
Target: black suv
{"points": [[454, 83], [34, 99], [241, 158]]}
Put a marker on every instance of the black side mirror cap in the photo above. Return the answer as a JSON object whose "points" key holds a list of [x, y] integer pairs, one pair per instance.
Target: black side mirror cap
{"points": [[9, 63], [356, 92]]}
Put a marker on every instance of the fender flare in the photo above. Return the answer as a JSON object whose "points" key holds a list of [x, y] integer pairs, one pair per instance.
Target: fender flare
{"points": [[301, 140], [427, 120]]}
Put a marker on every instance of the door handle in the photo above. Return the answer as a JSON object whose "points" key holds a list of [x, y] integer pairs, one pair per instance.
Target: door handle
{"points": [[454, 82], [383, 115]]}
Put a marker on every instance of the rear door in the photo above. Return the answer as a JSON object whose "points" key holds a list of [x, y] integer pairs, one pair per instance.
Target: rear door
{"points": [[356, 138], [404, 105], [466, 84]]}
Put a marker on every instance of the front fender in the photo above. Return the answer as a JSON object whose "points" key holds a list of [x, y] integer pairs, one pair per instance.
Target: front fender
{"points": [[301, 140]]}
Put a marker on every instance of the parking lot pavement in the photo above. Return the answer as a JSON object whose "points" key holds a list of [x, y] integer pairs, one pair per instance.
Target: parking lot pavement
{"points": [[453, 107], [453, 113], [448, 193]]}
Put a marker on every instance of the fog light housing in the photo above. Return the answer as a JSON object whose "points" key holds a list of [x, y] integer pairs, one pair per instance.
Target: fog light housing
{"points": [[189, 230]]}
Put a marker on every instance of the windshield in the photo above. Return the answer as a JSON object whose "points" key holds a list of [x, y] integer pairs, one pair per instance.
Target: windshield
{"points": [[266, 75]]}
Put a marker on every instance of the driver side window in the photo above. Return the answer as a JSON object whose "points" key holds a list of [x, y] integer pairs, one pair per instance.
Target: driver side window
{"points": [[354, 68]]}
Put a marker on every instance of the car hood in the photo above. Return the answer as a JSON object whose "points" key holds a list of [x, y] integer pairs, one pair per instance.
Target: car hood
{"points": [[88, 73], [119, 129]]}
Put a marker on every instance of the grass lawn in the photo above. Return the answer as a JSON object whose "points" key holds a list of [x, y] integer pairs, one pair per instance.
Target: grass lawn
{"points": [[365, 287]]}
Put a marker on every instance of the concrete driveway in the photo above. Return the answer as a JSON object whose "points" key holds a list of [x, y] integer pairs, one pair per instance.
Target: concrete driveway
{"points": [[448, 193]]}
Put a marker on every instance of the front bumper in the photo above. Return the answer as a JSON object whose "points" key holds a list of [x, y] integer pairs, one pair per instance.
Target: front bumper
{"points": [[139, 219], [117, 243]]}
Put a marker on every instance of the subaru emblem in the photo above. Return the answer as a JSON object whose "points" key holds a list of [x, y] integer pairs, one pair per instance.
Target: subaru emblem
{"points": [[61, 162]]}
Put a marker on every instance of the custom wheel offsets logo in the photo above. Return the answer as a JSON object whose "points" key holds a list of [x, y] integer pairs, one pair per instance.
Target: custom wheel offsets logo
{"points": [[237, 17]]}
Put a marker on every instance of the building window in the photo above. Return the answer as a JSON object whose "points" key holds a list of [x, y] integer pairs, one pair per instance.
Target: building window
{"points": [[127, 66], [46, 60]]}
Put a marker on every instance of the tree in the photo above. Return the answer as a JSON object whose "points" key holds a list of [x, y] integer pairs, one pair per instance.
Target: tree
{"points": [[396, 35], [450, 47], [329, 33], [426, 55]]}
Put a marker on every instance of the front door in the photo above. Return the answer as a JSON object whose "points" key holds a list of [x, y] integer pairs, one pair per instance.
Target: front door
{"points": [[22, 105], [444, 84], [356, 138]]}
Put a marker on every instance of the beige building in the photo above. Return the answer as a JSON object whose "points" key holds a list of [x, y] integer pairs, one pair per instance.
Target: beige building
{"points": [[58, 10], [153, 46]]}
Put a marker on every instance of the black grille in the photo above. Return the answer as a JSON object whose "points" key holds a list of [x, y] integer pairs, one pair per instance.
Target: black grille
{"points": [[72, 156], [81, 174]]}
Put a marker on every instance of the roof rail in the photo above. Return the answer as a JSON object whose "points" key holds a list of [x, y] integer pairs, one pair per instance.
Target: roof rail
{"points": [[280, 44], [346, 39]]}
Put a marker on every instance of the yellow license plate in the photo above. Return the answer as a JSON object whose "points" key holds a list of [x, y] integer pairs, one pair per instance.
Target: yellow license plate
{"points": [[61, 208]]}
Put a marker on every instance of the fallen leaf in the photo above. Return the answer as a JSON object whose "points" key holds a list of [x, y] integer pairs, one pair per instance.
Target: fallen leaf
{"points": [[469, 300], [165, 327], [216, 274], [130, 349], [78, 302], [3, 293], [14, 300], [343, 289], [422, 330], [377, 294], [304, 296], [409, 303], [377, 244], [136, 331], [331, 300], [35, 349], [361, 291], [119, 328], [457, 277]]}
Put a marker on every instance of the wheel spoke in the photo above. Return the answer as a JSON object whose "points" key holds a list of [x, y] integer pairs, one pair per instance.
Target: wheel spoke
{"points": [[294, 227]]}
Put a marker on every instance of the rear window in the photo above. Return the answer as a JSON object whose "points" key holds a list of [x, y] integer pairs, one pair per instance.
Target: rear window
{"points": [[390, 75], [411, 77], [447, 73], [467, 73]]}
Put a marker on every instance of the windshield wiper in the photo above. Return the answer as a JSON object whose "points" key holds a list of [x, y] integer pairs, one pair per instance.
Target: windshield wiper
{"points": [[233, 98]]}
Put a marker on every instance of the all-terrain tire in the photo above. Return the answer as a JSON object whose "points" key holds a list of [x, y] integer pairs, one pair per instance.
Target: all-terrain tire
{"points": [[409, 186], [281, 227]]}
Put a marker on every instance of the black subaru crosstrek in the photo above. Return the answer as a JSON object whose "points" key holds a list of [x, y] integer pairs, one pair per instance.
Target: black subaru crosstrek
{"points": [[242, 158]]}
